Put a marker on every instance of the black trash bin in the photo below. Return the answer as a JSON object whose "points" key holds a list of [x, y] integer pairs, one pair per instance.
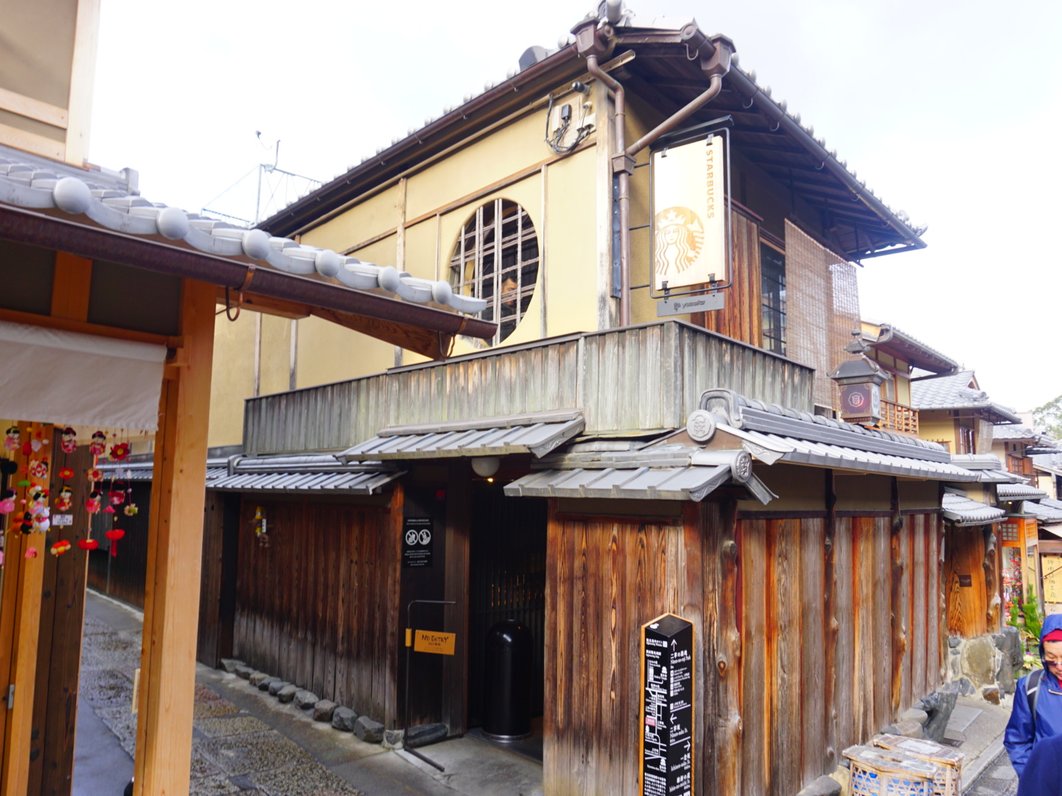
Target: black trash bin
{"points": [[508, 695]]}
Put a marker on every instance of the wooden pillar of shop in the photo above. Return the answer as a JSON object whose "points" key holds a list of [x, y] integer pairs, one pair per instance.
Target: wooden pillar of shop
{"points": [[19, 631], [175, 530]]}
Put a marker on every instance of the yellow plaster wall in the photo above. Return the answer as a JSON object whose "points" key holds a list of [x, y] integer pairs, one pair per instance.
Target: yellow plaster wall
{"points": [[375, 216], [328, 353], [276, 355], [937, 430], [423, 256], [232, 377]]}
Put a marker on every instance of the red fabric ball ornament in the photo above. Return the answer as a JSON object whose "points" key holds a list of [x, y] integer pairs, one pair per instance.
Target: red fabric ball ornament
{"points": [[88, 544], [119, 451], [60, 547], [66, 473], [114, 534]]}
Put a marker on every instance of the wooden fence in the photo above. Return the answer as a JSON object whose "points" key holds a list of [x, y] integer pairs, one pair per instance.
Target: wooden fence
{"points": [[318, 606]]}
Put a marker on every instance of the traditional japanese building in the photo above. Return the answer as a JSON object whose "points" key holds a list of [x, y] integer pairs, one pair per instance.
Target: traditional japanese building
{"points": [[652, 430]]}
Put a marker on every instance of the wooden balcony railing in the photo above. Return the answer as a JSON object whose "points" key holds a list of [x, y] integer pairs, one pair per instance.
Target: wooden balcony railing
{"points": [[899, 418]]}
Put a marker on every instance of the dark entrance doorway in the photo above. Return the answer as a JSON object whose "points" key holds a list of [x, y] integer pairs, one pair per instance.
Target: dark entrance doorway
{"points": [[507, 572]]}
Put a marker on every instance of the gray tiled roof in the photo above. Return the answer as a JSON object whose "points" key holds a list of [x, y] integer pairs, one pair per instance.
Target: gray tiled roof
{"points": [[110, 200], [954, 392], [1019, 492], [1042, 511], [537, 433], [962, 511]]}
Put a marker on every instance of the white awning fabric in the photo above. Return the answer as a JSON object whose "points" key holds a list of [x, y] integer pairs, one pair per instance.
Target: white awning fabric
{"points": [[55, 376]]}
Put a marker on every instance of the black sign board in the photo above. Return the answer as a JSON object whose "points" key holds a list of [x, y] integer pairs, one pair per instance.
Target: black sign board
{"points": [[416, 542], [667, 707]]}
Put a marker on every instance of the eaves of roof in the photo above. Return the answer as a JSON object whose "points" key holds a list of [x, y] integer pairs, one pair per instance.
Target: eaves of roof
{"points": [[101, 216], [916, 353], [811, 170]]}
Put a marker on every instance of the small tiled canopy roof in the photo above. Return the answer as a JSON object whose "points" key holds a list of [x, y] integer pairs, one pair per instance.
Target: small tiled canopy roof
{"points": [[954, 392], [100, 215], [962, 511]]}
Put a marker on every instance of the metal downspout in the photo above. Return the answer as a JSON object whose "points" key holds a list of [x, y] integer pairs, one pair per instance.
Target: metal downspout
{"points": [[624, 183], [714, 55]]}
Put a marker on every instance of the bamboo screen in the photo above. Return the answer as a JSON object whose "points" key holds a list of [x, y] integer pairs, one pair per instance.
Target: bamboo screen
{"points": [[822, 302]]}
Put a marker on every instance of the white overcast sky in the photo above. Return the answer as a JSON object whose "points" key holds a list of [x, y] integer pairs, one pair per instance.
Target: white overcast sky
{"points": [[950, 111]]}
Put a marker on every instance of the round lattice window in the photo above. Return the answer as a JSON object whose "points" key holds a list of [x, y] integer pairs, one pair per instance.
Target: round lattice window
{"points": [[496, 258]]}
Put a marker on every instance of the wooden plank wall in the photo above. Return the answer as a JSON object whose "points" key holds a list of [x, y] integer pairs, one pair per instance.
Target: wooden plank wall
{"points": [[122, 576], [609, 576], [319, 606], [741, 317], [59, 642], [967, 606], [839, 630]]}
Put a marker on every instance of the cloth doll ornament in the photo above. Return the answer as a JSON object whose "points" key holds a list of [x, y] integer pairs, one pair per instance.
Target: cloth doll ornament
{"points": [[12, 438], [92, 502], [98, 444], [65, 500], [31, 552], [7, 502], [26, 523], [68, 440]]}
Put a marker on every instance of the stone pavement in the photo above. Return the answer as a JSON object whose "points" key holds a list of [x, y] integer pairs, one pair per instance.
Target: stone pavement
{"points": [[976, 728], [244, 741]]}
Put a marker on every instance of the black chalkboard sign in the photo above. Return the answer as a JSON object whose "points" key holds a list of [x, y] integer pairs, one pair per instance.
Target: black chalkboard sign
{"points": [[667, 707], [416, 543]]}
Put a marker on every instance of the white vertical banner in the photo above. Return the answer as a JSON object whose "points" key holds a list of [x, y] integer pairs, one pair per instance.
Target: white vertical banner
{"points": [[689, 214]]}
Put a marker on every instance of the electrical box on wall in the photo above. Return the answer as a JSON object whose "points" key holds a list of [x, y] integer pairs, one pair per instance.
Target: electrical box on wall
{"points": [[569, 119]]}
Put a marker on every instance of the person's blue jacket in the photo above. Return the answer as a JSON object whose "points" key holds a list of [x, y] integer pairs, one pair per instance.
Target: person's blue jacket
{"points": [[1019, 737], [1043, 773]]}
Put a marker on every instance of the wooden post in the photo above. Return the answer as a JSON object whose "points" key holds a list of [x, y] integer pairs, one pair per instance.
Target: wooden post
{"points": [[175, 530], [23, 579]]}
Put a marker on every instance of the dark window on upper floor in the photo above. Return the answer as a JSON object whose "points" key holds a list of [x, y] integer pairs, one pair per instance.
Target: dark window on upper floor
{"points": [[772, 289]]}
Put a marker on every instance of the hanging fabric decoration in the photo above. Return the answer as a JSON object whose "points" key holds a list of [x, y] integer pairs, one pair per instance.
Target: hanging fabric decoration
{"points": [[66, 473], [31, 552], [119, 451], [38, 469], [12, 438], [60, 547], [114, 534], [98, 444], [92, 502], [68, 440], [130, 509], [7, 502], [116, 496], [88, 544], [94, 475], [65, 500]]}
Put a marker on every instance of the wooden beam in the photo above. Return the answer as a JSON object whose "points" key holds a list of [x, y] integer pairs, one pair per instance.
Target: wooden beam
{"points": [[21, 105], [434, 345], [82, 76], [171, 589], [31, 142], [71, 284], [33, 319], [19, 647]]}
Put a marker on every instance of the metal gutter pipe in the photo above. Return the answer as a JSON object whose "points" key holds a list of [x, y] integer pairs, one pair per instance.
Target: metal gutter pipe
{"points": [[623, 176], [591, 42]]}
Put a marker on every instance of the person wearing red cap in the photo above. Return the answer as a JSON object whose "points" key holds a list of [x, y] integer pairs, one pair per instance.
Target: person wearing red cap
{"points": [[1037, 711]]}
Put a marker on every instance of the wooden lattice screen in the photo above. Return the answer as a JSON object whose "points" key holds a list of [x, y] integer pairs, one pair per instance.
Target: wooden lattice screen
{"points": [[823, 308]]}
